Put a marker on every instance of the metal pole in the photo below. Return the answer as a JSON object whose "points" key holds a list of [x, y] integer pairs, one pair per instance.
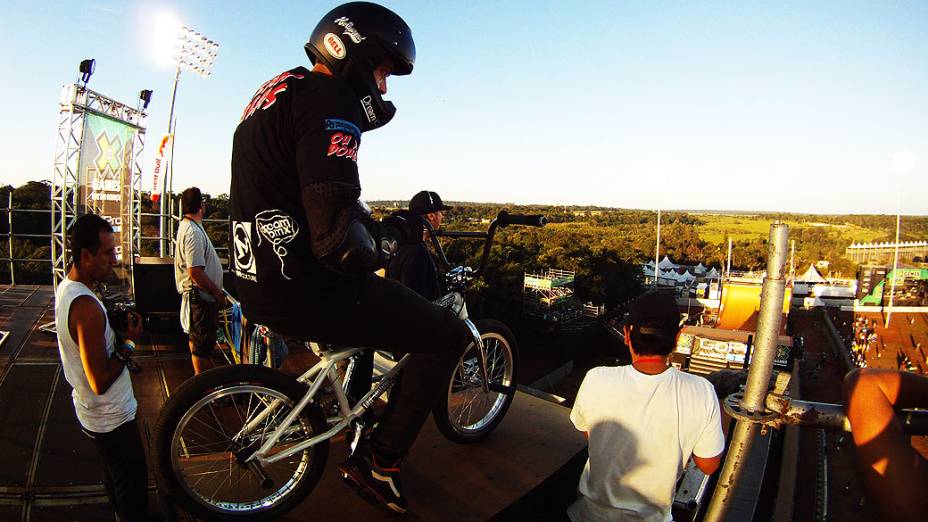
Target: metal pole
{"points": [[728, 266], [768, 323], [169, 167], [171, 202], [892, 287], [657, 248], [9, 212], [755, 393]]}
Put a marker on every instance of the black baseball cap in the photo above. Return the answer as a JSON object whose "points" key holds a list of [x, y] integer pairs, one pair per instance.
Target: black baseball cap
{"points": [[426, 201], [655, 313]]}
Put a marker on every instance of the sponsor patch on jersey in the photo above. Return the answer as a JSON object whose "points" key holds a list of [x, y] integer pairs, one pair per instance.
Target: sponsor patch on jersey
{"points": [[342, 145], [334, 46], [243, 255], [337, 125], [368, 109], [279, 229], [268, 93]]}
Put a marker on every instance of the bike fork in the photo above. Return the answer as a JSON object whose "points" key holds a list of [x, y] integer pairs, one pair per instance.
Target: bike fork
{"points": [[482, 359]]}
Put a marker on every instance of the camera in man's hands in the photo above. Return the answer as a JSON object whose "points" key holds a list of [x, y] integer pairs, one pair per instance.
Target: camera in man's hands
{"points": [[118, 314]]}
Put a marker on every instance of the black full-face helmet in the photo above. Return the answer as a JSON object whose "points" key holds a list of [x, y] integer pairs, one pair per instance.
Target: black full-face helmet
{"points": [[354, 39]]}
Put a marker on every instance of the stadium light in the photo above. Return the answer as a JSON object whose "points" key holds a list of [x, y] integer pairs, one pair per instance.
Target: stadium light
{"points": [[86, 69], [188, 50], [145, 97]]}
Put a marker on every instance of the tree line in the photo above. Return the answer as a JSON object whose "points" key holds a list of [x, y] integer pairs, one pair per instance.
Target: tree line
{"points": [[604, 246]]}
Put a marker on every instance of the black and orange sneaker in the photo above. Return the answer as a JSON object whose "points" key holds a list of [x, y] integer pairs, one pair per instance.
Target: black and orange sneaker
{"points": [[374, 483]]}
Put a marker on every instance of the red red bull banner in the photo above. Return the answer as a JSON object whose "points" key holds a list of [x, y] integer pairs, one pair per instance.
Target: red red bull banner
{"points": [[162, 158]]}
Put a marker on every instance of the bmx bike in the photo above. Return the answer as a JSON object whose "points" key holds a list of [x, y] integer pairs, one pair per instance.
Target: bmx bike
{"points": [[246, 442]]}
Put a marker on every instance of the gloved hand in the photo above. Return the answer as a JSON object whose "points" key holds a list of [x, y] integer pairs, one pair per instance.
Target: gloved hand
{"points": [[403, 226]]}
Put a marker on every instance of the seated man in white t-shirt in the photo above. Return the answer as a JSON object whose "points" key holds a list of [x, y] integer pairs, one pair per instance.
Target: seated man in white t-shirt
{"points": [[644, 422]]}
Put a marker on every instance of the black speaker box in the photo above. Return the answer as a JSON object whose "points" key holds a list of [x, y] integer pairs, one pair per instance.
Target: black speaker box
{"points": [[156, 296]]}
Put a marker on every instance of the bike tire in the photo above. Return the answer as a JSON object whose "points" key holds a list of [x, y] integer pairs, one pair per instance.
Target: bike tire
{"points": [[465, 384], [199, 392]]}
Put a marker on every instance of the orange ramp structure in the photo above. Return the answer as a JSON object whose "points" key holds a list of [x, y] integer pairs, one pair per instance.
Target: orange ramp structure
{"points": [[740, 306]]}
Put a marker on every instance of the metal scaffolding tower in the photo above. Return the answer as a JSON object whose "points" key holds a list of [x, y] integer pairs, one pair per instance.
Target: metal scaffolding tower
{"points": [[75, 104], [550, 296]]}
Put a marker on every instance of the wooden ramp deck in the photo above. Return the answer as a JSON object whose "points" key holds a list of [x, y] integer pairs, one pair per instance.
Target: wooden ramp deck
{"points": [[49, 470]]}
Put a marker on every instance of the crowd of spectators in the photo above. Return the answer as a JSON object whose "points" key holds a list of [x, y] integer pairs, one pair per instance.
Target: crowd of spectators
{"points": [[864, 344], [862, 341]]}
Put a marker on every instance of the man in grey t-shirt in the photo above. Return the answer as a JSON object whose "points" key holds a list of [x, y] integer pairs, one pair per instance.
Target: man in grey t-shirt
{"points": [[198, 275]]}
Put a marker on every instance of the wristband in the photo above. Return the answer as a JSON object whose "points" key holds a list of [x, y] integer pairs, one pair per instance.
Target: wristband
{"points": [[127, 361], [119, 355]]}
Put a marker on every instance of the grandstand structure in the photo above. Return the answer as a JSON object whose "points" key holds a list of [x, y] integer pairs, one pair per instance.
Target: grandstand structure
{"points": [[550, 296], [883, 252], [911, 288]]}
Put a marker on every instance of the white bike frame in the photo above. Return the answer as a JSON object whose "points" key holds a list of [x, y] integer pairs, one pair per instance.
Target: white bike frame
{"points": [[325, 370]]}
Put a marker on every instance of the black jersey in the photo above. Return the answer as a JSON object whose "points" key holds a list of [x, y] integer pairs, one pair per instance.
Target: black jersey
{"points": [[294, 172]]}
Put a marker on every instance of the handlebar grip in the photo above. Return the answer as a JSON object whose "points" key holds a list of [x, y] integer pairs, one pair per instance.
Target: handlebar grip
{"points": [[531, 220]]}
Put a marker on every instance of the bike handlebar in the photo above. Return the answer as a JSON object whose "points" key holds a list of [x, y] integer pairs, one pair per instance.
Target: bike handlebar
{"points": [[503, 219], [532, 220]]}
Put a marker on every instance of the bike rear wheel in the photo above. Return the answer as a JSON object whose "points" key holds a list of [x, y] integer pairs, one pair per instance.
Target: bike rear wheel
{"points": [[199, 449], [468, 413]]}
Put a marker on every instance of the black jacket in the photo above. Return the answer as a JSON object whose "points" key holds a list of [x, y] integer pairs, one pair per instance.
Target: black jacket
{"points": [[414, 267]]}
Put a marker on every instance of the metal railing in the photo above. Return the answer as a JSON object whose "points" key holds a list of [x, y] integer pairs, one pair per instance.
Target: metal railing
{"points": [[11, 235]]}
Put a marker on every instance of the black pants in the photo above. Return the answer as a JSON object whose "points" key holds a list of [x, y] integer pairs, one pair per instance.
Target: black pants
{"points": [[382, 313], [125, 472]]}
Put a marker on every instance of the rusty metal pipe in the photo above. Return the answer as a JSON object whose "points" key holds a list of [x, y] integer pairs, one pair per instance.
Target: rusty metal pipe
{"points": [[808, 413], [755, 393], [768, 322], [833, 417]]}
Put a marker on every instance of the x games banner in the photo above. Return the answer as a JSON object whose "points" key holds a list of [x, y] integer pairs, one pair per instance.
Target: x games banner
{"points": [[105, 175]]}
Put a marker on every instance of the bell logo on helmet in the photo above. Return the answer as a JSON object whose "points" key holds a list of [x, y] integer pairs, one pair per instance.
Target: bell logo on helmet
{"points": [[350, 31], [335, 47]]}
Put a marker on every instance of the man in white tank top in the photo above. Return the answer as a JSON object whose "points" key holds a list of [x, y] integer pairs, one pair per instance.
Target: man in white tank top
{"points": [[644, 421], [95, 367]]}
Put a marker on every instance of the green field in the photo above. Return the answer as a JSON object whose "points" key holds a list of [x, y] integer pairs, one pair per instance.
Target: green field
{"points": [[718, 227]]}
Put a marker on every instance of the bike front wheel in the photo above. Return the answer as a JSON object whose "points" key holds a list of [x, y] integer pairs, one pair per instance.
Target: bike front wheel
{"points": [[211, 425], [469, 412]]}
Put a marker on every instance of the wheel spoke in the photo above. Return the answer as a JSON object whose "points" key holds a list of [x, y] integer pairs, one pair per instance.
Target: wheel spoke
{"points": [[470, 407], [207, 467]]}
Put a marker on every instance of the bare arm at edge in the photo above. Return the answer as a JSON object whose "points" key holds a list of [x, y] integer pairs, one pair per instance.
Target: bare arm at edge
{"points": [[894, 473]]}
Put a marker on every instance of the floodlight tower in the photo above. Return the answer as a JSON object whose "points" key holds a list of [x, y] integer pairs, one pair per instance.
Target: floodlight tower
{"points": [[196, 53], [657, 248], [903, 163]]}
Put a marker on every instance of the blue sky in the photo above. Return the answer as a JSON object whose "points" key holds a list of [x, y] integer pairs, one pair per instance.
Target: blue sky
{"points": [[793, 106]]}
